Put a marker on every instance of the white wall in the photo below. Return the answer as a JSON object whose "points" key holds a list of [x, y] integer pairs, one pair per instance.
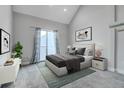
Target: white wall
{"points": [[25, 34], [119, 40], [99, 17], [53, 13], [6, 24], [120, 13]]}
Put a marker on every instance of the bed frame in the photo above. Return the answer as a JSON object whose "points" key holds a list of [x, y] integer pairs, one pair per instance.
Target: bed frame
{"points": [[63, 71]]}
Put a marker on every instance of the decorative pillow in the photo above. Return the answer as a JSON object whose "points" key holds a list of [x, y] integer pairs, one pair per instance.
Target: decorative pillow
{"points": [[88, 52], [73, 48], [72, 51], [80, 51]]}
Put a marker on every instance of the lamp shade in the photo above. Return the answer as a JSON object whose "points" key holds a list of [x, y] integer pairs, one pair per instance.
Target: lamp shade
{"points": [[98, 50], [69, 46]]}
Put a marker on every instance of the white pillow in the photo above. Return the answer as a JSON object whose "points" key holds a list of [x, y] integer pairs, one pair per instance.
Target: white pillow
{"points": [[88, 52]]}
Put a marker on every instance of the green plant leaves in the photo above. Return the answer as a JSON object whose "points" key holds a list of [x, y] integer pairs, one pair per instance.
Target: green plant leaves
{"points": [[18, 50]]}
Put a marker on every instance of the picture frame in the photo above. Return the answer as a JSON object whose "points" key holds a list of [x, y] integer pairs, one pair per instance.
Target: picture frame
{"points": [[83, 34], [4, 42]]}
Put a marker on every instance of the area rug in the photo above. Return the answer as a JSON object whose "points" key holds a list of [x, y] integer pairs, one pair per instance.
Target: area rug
{"points": [[55, 82]]}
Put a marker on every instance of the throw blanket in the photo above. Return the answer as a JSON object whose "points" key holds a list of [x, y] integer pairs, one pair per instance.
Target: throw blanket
{"points": [[72, 62]]}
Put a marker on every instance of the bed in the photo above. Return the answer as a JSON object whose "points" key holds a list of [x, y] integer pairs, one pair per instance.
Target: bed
{"points": [[61, 64]]}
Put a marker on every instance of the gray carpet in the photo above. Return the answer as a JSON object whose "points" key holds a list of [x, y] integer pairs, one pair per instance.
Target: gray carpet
{"points": [[55, 82]]}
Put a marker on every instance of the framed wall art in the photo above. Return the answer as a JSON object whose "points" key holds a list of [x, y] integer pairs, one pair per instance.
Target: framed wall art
{"points": [[83, 34], [4, 42]]}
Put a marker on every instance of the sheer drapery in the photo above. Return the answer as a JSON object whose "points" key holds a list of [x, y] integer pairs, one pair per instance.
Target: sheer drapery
{"points": [[36, 50], [57, 42], [46, 42]]}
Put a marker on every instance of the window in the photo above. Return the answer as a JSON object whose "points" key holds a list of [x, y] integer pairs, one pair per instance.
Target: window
{"points": [[47, 43]]}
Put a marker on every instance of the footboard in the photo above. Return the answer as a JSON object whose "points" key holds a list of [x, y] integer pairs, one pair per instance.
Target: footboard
{"points": [[58, 71]]}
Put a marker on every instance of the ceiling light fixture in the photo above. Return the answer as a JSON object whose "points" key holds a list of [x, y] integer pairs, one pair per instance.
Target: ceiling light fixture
{"points": [[65, 10]]}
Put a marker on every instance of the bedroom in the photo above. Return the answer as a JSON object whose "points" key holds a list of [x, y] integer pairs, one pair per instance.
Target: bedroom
{"points": [[52, 29]]}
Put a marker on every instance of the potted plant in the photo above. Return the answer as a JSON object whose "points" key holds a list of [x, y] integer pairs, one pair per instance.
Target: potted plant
{"points": [[17, 51]]}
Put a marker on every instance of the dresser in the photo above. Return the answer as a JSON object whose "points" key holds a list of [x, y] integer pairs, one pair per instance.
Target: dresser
{"points": [[9, 73], [99, 63]]}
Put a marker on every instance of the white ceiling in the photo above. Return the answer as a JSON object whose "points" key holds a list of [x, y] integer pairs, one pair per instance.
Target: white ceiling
{"points": [[50, 12]]}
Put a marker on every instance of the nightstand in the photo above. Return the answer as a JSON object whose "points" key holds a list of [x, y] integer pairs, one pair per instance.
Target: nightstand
{"points": [[100, 63]]}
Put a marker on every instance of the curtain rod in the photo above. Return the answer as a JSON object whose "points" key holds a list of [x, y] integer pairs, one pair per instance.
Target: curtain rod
{"points": [[41, 28], [34, 27]]}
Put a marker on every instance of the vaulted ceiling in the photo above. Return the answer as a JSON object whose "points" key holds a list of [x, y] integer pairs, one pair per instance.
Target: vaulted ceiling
{"points": [[58, 13]]}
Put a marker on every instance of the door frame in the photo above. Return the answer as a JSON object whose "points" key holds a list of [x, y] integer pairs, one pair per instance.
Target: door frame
{"points": [[117, 30]]}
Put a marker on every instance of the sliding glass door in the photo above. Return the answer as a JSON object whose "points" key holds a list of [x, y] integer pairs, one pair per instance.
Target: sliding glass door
{"points": [[47, 43], [51, 42], [43, 45]]}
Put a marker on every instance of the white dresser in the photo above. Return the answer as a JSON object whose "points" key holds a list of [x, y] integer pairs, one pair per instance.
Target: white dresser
{"points": [[9, 73], [100, 63]]}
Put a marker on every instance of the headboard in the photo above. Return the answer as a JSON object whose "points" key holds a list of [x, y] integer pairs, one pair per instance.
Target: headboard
{"points": [[90, 46]]}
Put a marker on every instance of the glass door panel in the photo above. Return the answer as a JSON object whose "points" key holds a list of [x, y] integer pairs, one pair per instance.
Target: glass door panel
{"points": [[51, 43], [47, 44], [43, 45]]}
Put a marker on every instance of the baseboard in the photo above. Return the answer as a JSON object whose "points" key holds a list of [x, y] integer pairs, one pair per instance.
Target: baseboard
{"points": [[111, 69], [25, 63], [120, 71]]}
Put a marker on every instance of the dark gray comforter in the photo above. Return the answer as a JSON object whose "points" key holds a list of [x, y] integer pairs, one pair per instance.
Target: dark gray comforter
{"points": [[72, 62]]}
